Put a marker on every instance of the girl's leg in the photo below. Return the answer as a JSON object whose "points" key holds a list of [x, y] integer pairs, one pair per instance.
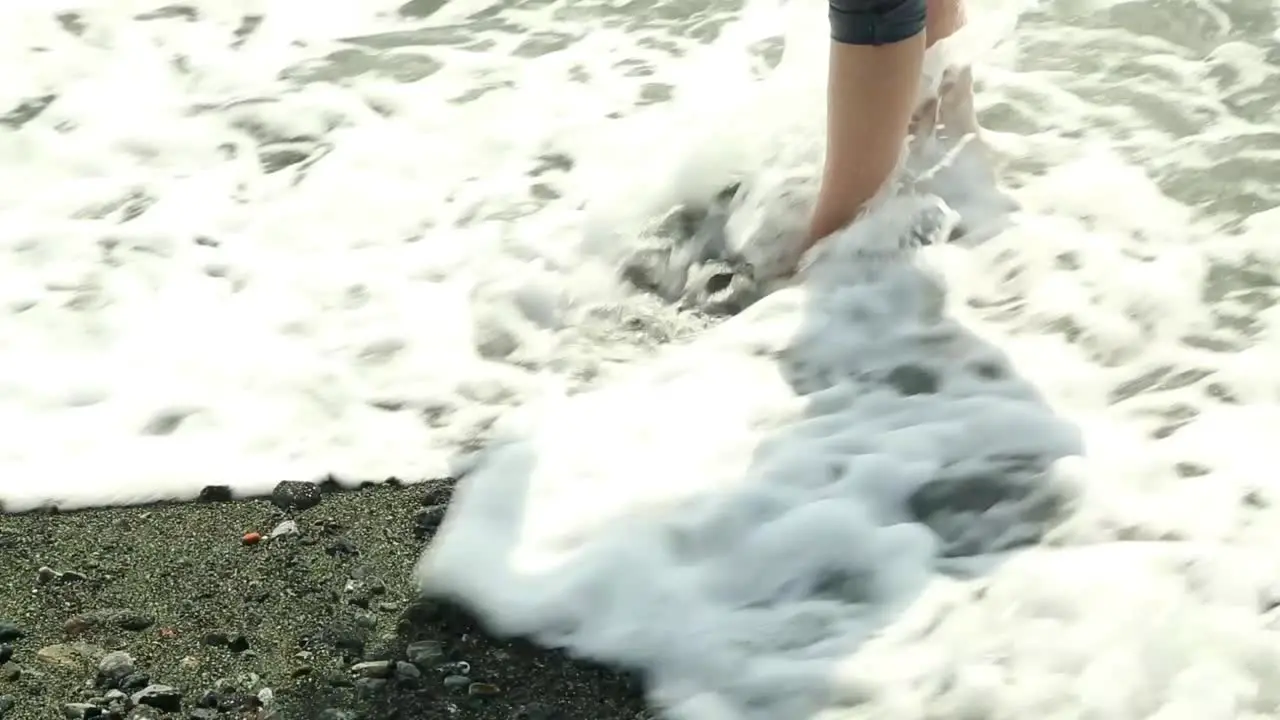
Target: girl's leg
{"points": [[871, 95]]}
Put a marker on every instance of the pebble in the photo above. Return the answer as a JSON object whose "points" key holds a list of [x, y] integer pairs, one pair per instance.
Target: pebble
{"points": [[114, 668], [482, 689], [407, 672], [425, 653], [161, 697], [129, 620], [79, 711], [6, 704], [427, 521], [6, 653], [135, 681], [338, 680], [67, 654], [461, 667], [366, 621], [370, 686], [216, 493], [78, 625], [217, 639], [9, 631], [123, 619], [288, 527], [47, 575], [373, 669], [457, 682], [295, 496]]}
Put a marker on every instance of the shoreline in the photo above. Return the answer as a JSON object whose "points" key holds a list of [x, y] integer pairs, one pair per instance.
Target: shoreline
{"points": [[166, 611]]}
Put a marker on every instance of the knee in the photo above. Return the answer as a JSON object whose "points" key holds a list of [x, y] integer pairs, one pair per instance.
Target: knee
{"points": [[876, 22]]}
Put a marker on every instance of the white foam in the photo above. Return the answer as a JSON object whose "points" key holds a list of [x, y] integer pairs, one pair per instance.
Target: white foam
{"points": [[214, 275]]}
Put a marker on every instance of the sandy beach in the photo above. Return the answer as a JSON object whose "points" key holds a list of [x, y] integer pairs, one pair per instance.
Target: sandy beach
{"points": [[167, 611]]}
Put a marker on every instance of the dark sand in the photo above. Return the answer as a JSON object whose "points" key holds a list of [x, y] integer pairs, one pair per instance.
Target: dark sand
{"points": [[266, 630]]}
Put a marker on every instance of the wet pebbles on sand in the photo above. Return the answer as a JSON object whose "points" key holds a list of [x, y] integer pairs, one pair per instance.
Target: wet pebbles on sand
{"points": [[170, 612]]}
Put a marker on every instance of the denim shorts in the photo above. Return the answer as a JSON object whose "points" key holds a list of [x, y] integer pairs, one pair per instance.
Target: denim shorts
{"points": [[875, 22]]}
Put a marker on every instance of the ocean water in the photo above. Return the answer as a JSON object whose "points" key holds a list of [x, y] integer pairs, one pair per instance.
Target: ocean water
{"points": [[1004, 449]]}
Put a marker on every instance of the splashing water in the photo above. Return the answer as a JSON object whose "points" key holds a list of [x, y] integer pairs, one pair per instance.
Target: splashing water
{"points": [[1023, 473]]}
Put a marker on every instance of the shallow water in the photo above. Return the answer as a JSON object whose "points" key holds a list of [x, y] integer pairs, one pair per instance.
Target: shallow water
{"points": [[248, 241]]}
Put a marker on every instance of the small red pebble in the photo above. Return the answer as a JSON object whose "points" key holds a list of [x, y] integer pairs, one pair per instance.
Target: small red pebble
{"points": [[251, 538], [168, 633]]}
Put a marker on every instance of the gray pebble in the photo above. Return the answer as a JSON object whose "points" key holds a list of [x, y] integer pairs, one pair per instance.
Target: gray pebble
{"points": [[6, 704], [457, 682], [161, 697], [123, 619], [129, 620], [288, 527], [115, 667], [407, 671], [224, 685], [66, 654], [425, 653], [79, 711], [373, 669], [135, 681], [216, 639]]}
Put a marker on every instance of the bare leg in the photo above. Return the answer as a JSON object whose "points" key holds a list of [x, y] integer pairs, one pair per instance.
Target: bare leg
{"points": [[871, 96]]}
